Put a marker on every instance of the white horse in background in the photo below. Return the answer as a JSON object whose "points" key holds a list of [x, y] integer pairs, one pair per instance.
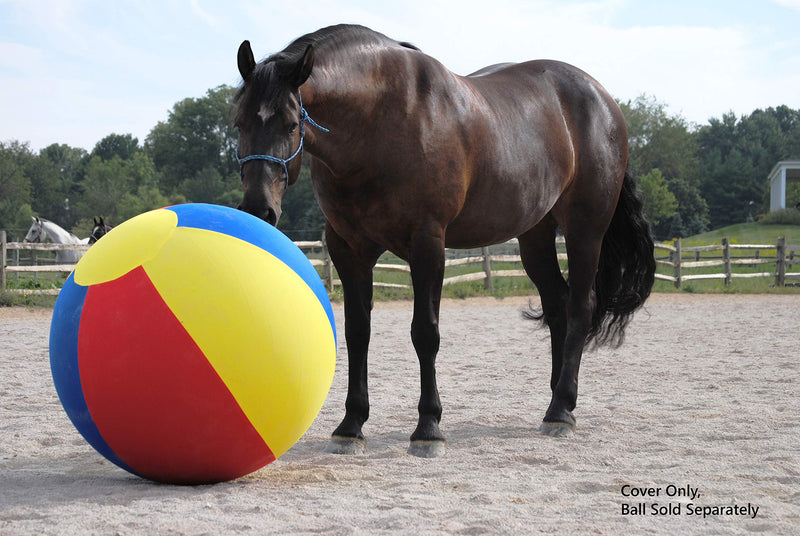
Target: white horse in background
{"points": [[43, 230]]}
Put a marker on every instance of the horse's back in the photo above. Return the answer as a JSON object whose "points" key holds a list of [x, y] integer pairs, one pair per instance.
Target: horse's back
{"points": [[534, 127], [490, 69], [538, 80]]}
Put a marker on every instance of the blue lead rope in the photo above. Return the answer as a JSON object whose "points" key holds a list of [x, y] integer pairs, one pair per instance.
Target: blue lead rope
{"points": [[303, 118]]}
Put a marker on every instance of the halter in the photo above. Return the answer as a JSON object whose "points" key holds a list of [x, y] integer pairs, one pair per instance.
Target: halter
{"points": [[303, 118]]}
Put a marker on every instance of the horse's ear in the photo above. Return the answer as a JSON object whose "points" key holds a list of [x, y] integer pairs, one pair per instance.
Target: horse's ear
{"points": [[246, 60], [96, 223], [302, 69]]}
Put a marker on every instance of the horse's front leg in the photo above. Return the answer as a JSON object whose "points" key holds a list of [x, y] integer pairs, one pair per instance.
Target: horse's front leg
{"points": [[426, 258], [354, 263]]}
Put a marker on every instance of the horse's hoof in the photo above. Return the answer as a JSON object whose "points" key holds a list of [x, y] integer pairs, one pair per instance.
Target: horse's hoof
{"points": [[557, 429], [346, 445], [426, 448]]}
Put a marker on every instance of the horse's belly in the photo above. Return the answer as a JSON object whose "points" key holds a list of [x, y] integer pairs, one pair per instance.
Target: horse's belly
{"points": [[501, 207], [492, 224]]}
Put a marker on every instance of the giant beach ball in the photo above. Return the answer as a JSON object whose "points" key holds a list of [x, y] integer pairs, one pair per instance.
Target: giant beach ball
{"points": [[193, 344]]}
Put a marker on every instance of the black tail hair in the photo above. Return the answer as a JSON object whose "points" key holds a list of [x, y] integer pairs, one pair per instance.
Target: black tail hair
{"points": [[627, 267]]}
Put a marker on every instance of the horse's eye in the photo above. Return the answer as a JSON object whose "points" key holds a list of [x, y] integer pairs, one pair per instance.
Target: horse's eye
{"points": [[293, 128]]}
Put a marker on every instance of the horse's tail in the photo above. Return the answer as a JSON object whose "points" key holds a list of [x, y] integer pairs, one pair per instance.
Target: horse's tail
{"points": [[627, 266]]}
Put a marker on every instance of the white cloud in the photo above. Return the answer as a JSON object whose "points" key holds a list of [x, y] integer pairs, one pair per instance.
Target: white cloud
{"points": [[791, 4]]}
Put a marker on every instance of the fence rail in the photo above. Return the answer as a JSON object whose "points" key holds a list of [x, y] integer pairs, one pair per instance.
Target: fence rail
{"points": [[678, 260]]}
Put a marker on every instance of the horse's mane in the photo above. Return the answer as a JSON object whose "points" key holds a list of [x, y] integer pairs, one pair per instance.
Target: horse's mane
{"points": [[265, 90]]}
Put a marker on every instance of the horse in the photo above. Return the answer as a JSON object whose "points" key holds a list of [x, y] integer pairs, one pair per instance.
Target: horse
{"points": [[99, 230], [42, 230], [411, 158]]}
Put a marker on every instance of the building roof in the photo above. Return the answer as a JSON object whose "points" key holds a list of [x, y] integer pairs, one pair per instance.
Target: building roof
{"points": [[792, 169]]}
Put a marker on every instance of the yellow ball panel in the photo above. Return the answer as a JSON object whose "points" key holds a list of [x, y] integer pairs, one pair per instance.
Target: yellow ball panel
{"points": [[127, 246], [258, 323]]}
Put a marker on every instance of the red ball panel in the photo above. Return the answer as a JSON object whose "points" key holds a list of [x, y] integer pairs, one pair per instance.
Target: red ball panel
{"points": [[154, 396]]}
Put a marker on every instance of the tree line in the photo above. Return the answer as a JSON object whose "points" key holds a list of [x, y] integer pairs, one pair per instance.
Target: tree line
{"points": [[694, 178]]}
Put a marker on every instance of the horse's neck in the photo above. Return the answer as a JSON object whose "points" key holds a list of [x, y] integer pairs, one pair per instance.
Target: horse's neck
{"points": [[343, 90], [59, 235]]}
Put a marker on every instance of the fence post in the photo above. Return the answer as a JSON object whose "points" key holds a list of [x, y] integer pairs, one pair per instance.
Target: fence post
{"points": [[327, 268], [487, 268], [726, 258], [780, 262], [678, 255], [2, 260]]}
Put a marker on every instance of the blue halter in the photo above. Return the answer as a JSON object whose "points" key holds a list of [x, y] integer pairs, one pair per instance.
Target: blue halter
{"points": [[303, 118]]}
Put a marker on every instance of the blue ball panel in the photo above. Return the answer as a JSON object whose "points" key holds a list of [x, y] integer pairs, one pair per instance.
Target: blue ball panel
{"points": [[247, 227], [64, 331]]}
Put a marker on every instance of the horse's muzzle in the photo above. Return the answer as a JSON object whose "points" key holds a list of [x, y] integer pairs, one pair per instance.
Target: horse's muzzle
{"points": [[268, 214]]}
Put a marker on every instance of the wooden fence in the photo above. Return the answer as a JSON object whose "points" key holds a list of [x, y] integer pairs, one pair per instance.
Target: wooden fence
{"points": [[485, 259], [780, 257], [678, 260], [35, 267]]}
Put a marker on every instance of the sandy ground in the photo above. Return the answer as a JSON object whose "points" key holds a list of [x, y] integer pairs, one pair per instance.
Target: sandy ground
{"points": [[702, 398]]}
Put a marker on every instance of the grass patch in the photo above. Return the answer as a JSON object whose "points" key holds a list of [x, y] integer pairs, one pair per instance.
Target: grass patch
{"points": [[13, 299], [746, 233]]}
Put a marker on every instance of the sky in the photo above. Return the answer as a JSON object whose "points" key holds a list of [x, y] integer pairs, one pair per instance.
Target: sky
{"points": [[75, 71]]}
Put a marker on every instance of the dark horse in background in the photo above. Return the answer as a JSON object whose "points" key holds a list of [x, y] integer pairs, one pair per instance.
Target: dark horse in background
{"points": [[411, 158], [99, 230]]}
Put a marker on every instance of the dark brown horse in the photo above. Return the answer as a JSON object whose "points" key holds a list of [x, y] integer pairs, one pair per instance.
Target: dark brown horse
{"points": [[414, 158], [99, 230]]}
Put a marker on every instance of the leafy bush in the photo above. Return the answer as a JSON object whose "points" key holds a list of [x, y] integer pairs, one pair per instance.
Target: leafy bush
{"points": [[787, 216], [6, 299]]}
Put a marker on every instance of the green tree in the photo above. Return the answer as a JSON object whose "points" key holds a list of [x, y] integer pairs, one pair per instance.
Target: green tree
{"points": [[145, 198], [110, 185], [198, 135], [15, 188], [660, 204], [49, 196], [659, 140], [676, 227], [667, 143], [208, 186], [122, 145], [69, 165], [692, 205]]}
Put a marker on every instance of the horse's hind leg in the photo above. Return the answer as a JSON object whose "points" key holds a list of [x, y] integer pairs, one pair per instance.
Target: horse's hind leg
{"points": [[583, 252], [354, 265], [426, 258], [539, 258]]}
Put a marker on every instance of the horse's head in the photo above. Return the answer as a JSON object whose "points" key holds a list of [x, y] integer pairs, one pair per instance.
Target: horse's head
{"points": [[270, 118], [36, 232], [100, 228]]}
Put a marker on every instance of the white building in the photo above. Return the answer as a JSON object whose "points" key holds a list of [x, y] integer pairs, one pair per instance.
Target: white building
{"points": [[784, 172]]}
